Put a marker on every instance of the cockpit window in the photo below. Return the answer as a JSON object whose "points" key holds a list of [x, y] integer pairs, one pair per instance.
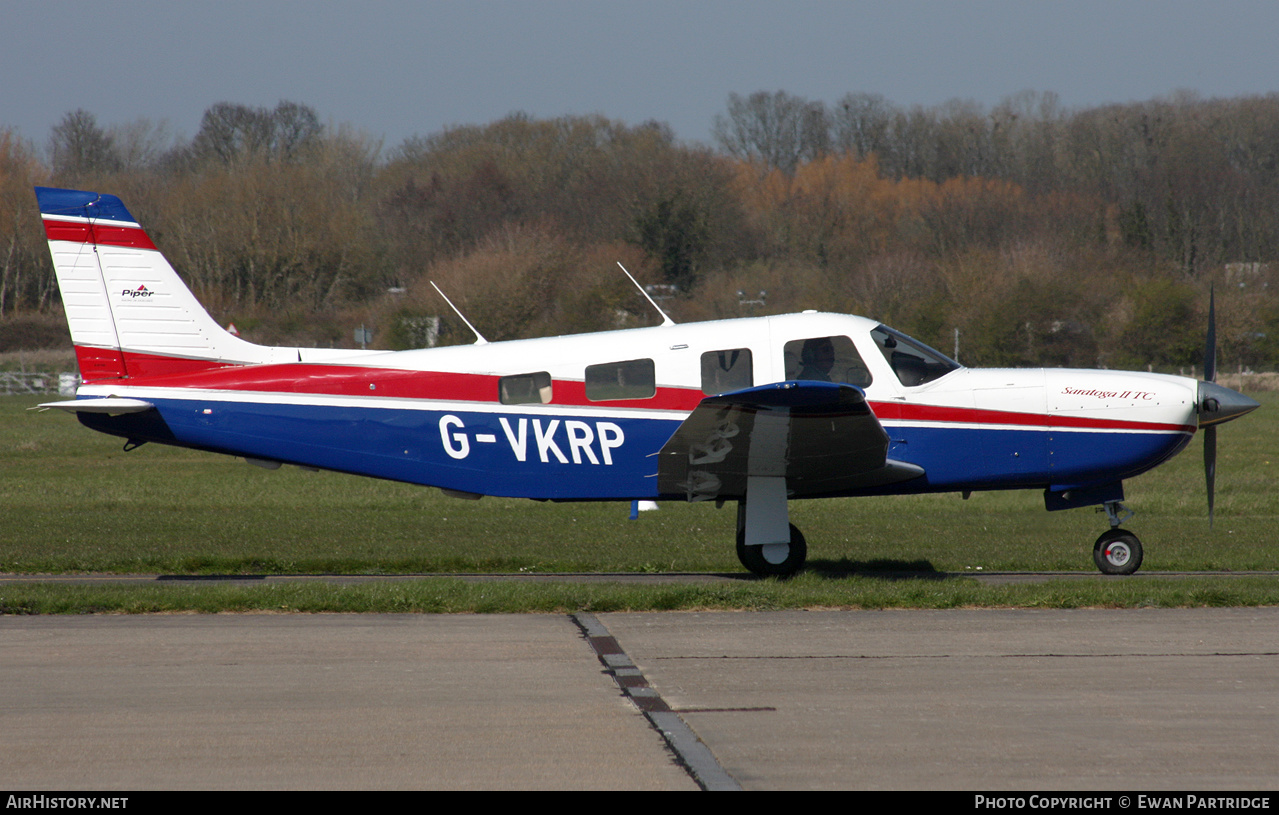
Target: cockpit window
{"points": [[912, 361]]}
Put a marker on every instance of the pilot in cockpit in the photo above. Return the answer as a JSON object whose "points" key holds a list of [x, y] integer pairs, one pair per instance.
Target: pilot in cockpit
{"points": [[818, 357]]}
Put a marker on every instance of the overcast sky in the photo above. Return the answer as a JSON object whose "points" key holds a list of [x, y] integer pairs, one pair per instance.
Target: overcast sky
{"points": [[395, 68]]}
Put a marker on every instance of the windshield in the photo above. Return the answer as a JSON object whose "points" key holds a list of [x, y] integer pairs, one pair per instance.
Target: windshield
{"points": [[912, 361]]}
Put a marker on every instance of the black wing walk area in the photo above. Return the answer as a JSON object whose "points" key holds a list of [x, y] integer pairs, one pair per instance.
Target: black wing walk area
{"points": [[821, 437]]}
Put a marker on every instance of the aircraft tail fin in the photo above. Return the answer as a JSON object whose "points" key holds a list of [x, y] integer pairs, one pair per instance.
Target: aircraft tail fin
{"points": [[130, 314]]}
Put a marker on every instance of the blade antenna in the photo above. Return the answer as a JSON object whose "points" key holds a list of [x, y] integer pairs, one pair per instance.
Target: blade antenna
{"points": [[666, 320], [479, 338]]}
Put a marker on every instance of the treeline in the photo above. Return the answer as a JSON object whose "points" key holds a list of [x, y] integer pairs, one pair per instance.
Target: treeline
{"points": [[1041, 235]]}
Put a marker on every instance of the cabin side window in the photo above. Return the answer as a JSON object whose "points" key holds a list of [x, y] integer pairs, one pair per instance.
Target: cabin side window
{"points": [[724, 371], [826, 359], [632, 379], [525, 389]]}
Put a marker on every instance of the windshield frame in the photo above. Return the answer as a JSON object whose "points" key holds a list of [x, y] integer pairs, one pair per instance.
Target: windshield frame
{"points": [[927, 363]]}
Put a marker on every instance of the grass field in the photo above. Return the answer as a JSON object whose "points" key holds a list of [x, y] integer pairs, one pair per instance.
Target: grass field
{"points": [[73, 501]]}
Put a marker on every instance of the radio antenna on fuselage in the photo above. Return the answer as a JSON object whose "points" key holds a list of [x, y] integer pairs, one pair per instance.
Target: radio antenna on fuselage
{"points": [[479, 338], [666, 320]]}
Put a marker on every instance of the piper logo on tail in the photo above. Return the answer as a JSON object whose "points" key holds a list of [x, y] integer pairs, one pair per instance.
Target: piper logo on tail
{"points": [[140, 291]]}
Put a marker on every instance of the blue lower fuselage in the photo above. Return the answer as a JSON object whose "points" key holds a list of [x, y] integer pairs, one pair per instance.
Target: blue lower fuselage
{"points": [[601, 455]]}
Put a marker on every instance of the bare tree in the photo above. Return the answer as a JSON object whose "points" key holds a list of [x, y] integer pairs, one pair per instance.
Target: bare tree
{"points": [[141, 145], [230, 132], [79, 146], [295, 128], [25, 273], [777, 129], [862, 124]]}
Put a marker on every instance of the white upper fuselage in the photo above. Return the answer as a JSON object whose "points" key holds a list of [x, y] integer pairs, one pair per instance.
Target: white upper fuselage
{"points": [[676, 351]]}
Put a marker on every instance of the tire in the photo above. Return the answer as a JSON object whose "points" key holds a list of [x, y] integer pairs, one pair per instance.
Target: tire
{"points": [[754, 559], [1117, 552]]}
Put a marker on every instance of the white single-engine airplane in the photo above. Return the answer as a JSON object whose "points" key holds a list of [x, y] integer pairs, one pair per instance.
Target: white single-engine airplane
{"points": [[758, 410]]}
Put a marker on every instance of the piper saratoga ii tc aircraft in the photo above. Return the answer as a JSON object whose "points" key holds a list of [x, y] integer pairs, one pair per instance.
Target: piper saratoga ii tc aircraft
{"points": [[758, 410]]}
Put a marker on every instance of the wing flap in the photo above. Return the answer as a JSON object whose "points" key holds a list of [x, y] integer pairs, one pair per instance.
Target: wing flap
{"points": [[821, 437]]}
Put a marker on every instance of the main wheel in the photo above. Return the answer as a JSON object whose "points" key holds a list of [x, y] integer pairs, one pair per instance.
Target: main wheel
{"points": [[1117, 551], [773, 559]]}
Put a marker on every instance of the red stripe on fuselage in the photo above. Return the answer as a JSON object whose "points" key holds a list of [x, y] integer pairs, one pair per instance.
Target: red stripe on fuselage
{"points": [[97, 233], [902, 411], [395, 383], [153, 365], [390, 383]]}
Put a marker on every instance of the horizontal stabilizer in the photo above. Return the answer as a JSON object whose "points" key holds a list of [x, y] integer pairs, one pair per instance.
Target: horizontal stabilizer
{"points": [[821, 437], [112, 405]]}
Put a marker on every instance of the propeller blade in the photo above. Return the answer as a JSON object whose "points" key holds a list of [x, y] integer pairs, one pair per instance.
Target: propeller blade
{"points": [[1209, 404], [1210, 466], [1218, 405], [1210, 347]]}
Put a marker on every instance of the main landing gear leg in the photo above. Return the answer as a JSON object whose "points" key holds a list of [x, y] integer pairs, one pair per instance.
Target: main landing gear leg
{"points": [[768, 544], [1117, 551]]}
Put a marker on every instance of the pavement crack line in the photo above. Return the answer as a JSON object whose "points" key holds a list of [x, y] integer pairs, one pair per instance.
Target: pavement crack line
{"points": [[690, 751]]}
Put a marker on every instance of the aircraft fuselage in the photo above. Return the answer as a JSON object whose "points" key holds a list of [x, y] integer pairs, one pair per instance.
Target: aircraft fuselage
{"points": [[436, 416]]}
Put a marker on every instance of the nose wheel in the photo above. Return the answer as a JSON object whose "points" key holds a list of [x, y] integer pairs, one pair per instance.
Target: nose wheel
{"points": [[773, 559], [1117, 551]]}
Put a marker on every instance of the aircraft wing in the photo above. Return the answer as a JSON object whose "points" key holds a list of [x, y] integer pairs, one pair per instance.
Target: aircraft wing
{"points": [[822, 437]]}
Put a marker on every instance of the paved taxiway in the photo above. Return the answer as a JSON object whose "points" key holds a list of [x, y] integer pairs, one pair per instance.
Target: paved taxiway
{"points": [[965, 699]]}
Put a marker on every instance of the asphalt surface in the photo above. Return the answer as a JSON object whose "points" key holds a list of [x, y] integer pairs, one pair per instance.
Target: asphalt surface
{"points": [[1156, 699]]}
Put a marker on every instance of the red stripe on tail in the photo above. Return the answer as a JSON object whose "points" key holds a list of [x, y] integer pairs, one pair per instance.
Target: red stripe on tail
{"points": [[100, 363], [97, 234]]}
